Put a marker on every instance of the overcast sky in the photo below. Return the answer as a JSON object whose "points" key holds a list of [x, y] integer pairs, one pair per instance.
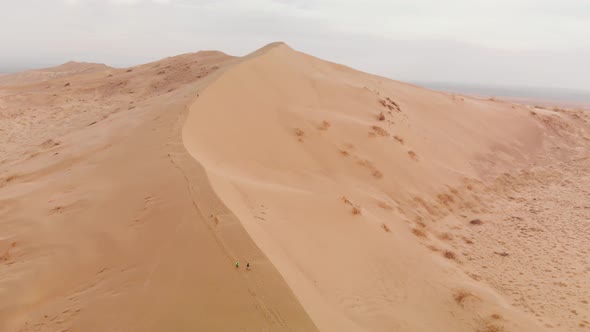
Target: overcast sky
{"points": [[544, 43]]}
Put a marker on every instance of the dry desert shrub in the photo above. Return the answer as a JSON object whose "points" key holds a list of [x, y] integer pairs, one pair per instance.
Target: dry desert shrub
{"points": [[468, 241], [445, 237], [343, 152], [449, 255], [299, 132], [11, 178], [385, 228], [399, 139], [325, 125], [381, 117], [491, 328], [461, 295], [433, 248], [496, 316], [346, 200], [418, 232], [377, 174], [215, 220], [356, 210], [6, 256], [380, 131], [446, 199], [413, 155], [476, 222]]}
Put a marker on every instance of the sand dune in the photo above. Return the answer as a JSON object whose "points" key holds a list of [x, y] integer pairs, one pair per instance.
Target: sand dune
{"points": [[107, 224], [71, 68], [360, 189], [363, 204]]}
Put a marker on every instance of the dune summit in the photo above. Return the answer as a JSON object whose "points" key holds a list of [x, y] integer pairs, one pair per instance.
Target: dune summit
{"points": [[362, 203]]}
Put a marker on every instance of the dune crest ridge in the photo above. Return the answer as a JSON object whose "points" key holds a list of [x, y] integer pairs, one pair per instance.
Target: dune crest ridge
{"points": [[361, 189], [108, 224]]}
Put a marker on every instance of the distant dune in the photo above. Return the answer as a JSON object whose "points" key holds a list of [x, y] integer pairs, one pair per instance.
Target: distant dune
{"points": [[40, 75], [362, 204]]}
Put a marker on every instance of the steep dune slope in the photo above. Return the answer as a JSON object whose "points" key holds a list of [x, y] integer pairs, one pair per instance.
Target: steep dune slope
{"points": [[353, 185], [107, 224]]}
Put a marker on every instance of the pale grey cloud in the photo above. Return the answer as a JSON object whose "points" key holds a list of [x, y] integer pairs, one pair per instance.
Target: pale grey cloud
{"points": [[525, 42]]}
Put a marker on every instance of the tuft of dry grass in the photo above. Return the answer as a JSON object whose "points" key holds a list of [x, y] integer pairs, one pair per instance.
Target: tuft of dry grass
{"points": [[385, 228], [343, 152], [413, 155], [381, 117], [399, 139], [356, 210]]}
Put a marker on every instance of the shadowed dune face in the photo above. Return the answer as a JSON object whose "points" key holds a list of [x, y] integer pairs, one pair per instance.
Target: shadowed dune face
{"points": [[356, 187], [106, 223]]}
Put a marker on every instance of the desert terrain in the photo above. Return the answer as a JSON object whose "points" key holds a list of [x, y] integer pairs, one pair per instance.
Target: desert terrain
{"points": [[361, 203]]}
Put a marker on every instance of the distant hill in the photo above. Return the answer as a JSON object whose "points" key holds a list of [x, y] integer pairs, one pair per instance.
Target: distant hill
{"points": [[44, 74]]}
